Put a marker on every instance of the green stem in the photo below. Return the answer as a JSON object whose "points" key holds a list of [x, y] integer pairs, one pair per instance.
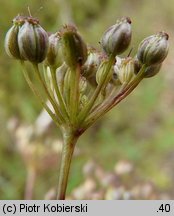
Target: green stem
{"points": [[36, 93], [74, 93], [68, 148], [100, 111], [66, 89], [55, 106], [47, 81], [59, 95], [94, 97]]}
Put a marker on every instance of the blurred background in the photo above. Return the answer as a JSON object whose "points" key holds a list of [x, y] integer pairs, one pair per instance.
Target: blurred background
{"points": [[129, 153]]}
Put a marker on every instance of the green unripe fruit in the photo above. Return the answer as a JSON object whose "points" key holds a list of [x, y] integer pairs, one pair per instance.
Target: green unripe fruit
{"points": [[32, 41], [74, 49], [53, 57], [153, 49], [125, 70], [91, 65], [11, 39], [26, 40], [117, 38], [152, 70]]}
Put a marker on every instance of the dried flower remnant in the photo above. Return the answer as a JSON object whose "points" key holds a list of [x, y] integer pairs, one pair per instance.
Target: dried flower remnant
{"points": [[80, 83]]}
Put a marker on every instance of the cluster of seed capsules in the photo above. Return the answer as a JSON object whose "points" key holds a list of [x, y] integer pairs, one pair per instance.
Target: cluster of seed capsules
{"points": [[65, 51]]}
